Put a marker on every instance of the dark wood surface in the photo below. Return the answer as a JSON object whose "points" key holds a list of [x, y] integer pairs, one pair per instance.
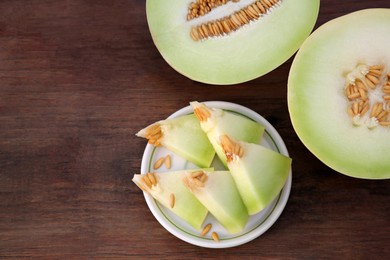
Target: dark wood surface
{"points": [[78, 79]]}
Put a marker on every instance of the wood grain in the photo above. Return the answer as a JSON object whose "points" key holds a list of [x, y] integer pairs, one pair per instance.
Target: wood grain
{"points": [[78, 79]]}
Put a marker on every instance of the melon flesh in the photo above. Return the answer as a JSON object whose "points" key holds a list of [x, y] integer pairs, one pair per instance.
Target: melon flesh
{"points": [[186, 205], [184, 136], [220, 196], [316, 98], [259, 173], [248, 53], [222, 122]]}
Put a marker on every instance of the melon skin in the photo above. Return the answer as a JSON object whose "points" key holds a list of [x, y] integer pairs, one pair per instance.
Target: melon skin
{"points": [[316, 102], [259, 174], [184, 136], [223, 122], [187, 206], [243, 55], [221, 197]]}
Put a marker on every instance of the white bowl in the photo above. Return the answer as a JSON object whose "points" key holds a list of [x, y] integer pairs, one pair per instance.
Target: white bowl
{"points": [[257, 224]]}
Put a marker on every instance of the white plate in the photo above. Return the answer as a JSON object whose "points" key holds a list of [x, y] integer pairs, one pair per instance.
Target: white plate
{"points": [[257, 224]]}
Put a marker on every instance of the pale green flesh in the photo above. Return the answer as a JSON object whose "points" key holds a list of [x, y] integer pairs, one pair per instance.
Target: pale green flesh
{"points": [[184, 136], [241, 56], [259, 175], [221, 197], [224, 122], [186, 205], [316, 99]]}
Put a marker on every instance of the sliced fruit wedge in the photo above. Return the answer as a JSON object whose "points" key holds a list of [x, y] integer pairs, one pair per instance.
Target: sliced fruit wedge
{"points": [[217, 191], [169, 190], [258, 172], [183, 136], [216, 122]]}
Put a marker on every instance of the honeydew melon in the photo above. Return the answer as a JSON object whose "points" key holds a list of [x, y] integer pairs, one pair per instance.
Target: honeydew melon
{"points": [[169, 190], [259, 173], [182, 135], [339, 94], [216, 122], [234, 41], [219, 194]]}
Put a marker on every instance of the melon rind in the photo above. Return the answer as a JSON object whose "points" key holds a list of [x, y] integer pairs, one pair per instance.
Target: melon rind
{"points": [[224, 122], [187, 206], [243, 55], [184, 136], [259, 174], [221, 197], [316, 100]]}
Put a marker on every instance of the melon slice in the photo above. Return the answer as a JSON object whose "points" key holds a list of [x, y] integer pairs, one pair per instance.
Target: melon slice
{"points": [[218, 193], [229, 41], [259, 173], [216, 122], [339, 94], [169, 190], [183, 136]]}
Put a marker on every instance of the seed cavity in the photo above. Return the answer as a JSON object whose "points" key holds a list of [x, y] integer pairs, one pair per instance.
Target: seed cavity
{"points": [[154, 134], [368, 97], [215, 236], [199, 178], [147, 181], [226, 24], [195, 180], [202, 112], [206, 229], [232, 149]]}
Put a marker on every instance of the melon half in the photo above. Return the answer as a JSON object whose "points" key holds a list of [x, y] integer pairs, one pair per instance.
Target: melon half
{"points": [[339, 94], [229, 41]]}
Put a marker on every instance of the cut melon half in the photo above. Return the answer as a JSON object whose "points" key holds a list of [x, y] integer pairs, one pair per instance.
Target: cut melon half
{"points": [[218, 193], [216, 122], [339, 94], [183, 136], [259, 173], [169, 190], [229, 41]]}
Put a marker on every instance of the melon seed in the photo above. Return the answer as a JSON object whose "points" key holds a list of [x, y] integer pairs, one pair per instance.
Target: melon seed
{"points": [[215, 236], [206, 229], [172, 200], [158, 163], [168, 162]]}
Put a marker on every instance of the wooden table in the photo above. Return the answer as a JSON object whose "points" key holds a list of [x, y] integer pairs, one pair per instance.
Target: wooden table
{"points": [[78, 79]]}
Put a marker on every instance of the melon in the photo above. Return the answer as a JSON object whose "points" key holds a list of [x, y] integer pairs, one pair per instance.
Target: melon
{"points": [[183, 136], [339, 94], [229, 41], [169, 190], [216, 122], [259, 173], [218, 193]]}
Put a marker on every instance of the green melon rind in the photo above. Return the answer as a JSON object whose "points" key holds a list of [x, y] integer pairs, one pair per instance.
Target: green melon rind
{"points": [[221, 197], [244, 55], [184, 136], [187, 206], [316, 100], [259, 175], [223, 122]]}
